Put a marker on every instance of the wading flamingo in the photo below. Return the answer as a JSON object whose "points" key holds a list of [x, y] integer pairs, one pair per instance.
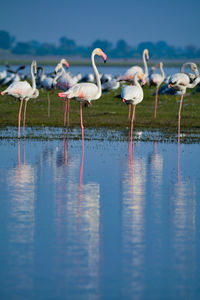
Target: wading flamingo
{"points": [[130, 73], [156, 79], [86, 92], [133, 94], [23, 91], [180, 82]]}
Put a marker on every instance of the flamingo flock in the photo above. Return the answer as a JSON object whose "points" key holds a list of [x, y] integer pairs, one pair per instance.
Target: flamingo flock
{"points": [[89, 88]]}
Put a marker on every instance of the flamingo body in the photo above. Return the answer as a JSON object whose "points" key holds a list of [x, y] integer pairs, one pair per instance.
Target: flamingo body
{"points": [[131, 72], [132, 94], [83, 92], [20, 89]]}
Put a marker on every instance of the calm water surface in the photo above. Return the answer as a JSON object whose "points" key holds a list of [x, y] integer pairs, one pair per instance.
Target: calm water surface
{"points": [[110, 220]]}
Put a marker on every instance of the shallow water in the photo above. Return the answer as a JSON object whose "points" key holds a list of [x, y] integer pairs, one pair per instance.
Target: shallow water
{"points": [[115, 71], [107, 219]]}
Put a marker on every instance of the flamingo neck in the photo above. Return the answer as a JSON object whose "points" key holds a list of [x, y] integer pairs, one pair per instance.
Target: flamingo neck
{"points": [[42, 75], [33, 79], [136, 81], [194, 83], [146, 72], [96, 75], [162, 71], [59, 74]]}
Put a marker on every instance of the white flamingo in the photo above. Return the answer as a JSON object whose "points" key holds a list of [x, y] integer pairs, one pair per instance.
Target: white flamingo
{"points": [[66, 80], [49, 83], [156, 79], [86, 92], [133, 94], [180, 82], [23, 91], [130, 73]]}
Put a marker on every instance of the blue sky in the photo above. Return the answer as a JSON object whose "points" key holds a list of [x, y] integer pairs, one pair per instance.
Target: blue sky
{"points": [[175, 21]]}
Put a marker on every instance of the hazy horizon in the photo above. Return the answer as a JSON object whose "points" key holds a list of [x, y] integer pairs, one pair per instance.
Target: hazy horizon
{"points": [[46, 21]]}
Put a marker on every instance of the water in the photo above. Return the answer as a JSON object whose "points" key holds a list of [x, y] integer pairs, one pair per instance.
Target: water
{"points": [[115, 71], [110, 220]]}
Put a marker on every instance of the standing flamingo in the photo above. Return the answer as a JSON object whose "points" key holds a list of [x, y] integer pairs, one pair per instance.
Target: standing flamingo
{"points": [[130, 73], [86, 92], [156, 80], [133, 94], [23, 91], [180, 82], [47, 82]]}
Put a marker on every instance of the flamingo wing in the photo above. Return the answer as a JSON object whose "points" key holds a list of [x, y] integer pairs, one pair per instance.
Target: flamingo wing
{"points": [[181, 79], [132, 93], [20, 89], [83, 91], [156, 79]]}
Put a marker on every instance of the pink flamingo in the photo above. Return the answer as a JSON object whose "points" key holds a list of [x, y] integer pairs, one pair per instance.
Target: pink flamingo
{"points": [[180, 82], [156, 80], [86, 92], [133, 94], [23, 91], [130, 73]]}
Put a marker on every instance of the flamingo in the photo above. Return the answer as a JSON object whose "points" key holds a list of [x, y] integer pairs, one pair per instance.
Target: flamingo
{"points": [[86, 92], [23, 91], [156, 80], [180, 82], [133, 94], [130, 73], [48, 83], [65, 81]]}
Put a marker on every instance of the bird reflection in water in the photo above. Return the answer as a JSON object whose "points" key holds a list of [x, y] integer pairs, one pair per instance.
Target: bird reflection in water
{"points": [[133, 218], [21, 226], [182, 233], [77, 222]]}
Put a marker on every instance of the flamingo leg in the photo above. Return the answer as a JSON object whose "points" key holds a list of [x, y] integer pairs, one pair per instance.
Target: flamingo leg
{"points": [[129, 111], [179, 117], [133, 117], [65, 111], [24, 121], [68, 112], [81, 116], [19, 118], [49, 103], [156, 101]]}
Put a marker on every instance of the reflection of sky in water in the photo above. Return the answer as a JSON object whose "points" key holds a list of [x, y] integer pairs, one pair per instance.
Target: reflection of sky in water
{"points": [[114, 221]]}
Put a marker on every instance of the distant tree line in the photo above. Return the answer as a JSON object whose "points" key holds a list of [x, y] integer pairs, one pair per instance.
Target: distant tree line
{"points": [[121, 49]]}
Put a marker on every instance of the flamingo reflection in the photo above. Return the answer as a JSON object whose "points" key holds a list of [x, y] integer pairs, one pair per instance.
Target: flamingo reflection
{"points": [[21, 188], [77, 219], [133, 217]]}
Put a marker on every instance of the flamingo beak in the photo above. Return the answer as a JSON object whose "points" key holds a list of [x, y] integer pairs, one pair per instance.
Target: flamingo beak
{"points": [[66, 64], [104, 57], [123, 100]]}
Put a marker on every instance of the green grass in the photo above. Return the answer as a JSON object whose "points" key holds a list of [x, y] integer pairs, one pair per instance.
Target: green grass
{"points": [[108, 111]]}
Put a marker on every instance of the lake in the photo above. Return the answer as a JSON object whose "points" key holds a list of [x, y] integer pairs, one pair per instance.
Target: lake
{"points": [[99, 219], [114, 71]]}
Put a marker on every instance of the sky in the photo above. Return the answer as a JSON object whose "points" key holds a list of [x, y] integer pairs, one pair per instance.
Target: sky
{"points": [[174, 21]]}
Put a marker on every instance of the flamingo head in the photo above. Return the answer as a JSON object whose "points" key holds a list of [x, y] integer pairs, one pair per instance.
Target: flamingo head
{"points": [[64, 62], [99, 52], [141, 76], [146, 53], [34, 65]]}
